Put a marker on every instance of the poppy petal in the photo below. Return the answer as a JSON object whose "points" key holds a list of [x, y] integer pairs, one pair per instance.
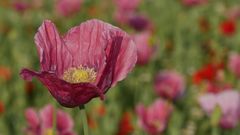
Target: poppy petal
{"points": [[54, 55], [68, 95]]}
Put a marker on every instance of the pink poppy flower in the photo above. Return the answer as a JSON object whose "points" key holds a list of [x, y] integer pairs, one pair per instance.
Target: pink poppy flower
{"points": [[144, 48], [68, 7], [194, 2], [169, 84], [229, 103], [234, 64], [154, 119], [42, 123], [83, 64]]}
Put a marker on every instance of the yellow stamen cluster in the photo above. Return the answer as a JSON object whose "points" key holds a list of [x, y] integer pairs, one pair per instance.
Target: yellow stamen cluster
{"points": [[79, 75]]}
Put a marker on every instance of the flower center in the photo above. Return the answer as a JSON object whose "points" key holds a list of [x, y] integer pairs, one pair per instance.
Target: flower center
{"points": [[79, 75]]}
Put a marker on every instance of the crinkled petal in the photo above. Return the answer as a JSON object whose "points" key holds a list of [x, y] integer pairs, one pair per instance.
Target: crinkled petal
{"points": [[68, 95], [54, 55], [126, 56], [87, 45]]}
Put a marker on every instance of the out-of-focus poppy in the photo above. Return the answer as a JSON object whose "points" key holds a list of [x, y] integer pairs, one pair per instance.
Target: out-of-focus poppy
{"points": [[154, 119], [229, 103], [42, 123], [5, 73], [125, 125], [144, 48], [68, 7], [2, 107], [208, 72], [228, 27], [169, 84]]}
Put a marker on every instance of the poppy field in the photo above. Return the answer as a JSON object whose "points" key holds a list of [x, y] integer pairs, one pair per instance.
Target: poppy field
{"points": [[119, 67]]}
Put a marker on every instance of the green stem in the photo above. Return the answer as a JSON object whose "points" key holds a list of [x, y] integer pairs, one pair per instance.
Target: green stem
{"points": [[84, 119]]}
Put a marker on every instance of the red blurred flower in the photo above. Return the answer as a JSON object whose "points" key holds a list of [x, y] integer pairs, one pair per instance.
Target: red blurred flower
{"points": [[83, 64], [208, 72], [2, 108], [194, 2], [101, 110], [5, 73], [228, 27], [125, 125], [213, 87], [91, 122]]}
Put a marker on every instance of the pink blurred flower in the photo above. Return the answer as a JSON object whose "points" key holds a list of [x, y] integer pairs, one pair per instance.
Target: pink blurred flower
{"points": [[194, 2], [42, 123], [234, 64], [122, 17], [154, 119], [229, 103], [144, 48], [125, 10], [126, 5], [234, 13], [68, 7], [169, 84], [20, 6], [83, 64]]}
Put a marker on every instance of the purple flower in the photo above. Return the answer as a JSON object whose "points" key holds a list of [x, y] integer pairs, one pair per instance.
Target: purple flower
{"points": [[229, 103], [139, 22], [234, 64], [144, 48], [83, 64], [169, 84], [68, 7], [154, 119], [42, 123]]}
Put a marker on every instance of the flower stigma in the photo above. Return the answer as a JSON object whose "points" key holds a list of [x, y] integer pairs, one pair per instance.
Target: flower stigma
{"points": [[79, 75]]}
